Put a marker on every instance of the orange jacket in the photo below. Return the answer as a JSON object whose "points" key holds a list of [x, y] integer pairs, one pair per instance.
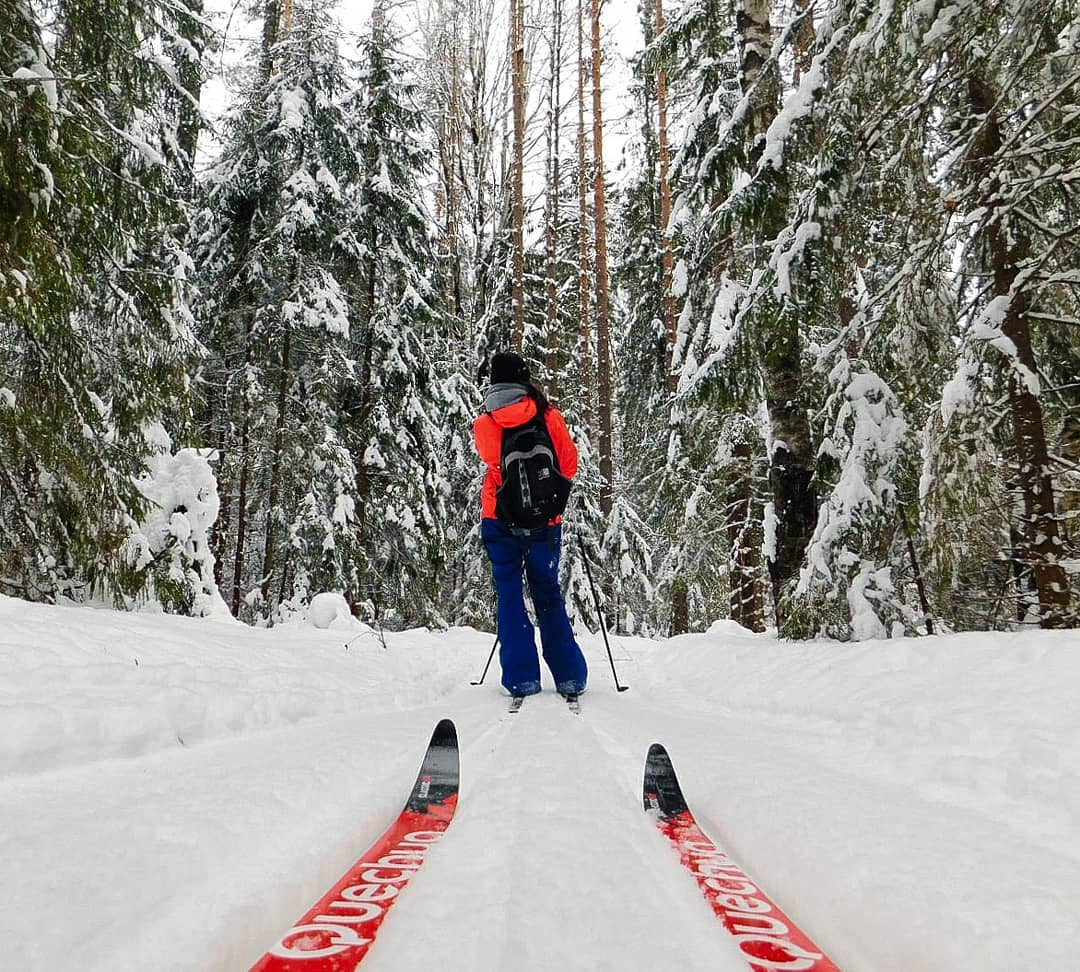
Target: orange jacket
{"points": [[487, 434]]}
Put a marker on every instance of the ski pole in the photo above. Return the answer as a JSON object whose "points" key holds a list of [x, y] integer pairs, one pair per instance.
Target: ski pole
{"points": [[600, 616], [488, 665]]}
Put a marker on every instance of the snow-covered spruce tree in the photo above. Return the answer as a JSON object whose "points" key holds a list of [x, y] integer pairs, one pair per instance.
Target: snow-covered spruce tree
{"points": [[395, 404], [92, 287], [874, 328], [978, 206], [641, 350], [171, 547], [690, 487], [976, 155], [641, 355], [794, 170], [1008, 79], [279, 255], [467, 595], [756, 209], [708, 503]]}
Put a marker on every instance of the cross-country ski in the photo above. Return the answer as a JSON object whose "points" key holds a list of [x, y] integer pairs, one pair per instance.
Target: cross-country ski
{"points": [[337, 931], [767, 937]]}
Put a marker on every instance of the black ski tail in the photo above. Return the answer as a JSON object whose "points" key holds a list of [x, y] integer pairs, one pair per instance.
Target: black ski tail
{"points": [[661, 790], [439, 774]]}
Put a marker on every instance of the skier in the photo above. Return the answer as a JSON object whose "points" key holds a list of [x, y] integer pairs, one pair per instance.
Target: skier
{"points": [[513, 401]]}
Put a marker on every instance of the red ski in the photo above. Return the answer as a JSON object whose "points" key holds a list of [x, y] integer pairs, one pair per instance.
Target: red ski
{"points": [[338, 930], [768, 939]]}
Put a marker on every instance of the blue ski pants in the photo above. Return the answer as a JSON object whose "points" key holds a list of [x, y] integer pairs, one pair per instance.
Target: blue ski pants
{"points": [[537, 553]]}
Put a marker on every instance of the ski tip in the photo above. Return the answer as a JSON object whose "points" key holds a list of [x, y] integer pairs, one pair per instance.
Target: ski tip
{"points": [[445, 735], [658, 751]]}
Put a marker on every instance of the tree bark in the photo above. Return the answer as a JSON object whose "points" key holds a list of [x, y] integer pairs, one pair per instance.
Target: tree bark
{"points": [[667, 254], [680, 607], [274, 494], [745, 544], [791, 463], [553, 199], [241, 508], [804, 38], [919, 586], [603, 316], [583, 229], [517, 80], [271, 28]]}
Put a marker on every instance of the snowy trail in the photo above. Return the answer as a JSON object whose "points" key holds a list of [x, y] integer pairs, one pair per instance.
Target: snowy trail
{"points": [[552, 862], [534, 868], [914, 806]]}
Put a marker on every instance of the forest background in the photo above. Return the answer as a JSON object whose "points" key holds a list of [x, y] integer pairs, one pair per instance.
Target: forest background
{"points": [[815, 331]]}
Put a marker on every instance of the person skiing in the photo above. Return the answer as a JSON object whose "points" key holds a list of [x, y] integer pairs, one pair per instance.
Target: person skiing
{"points": [[518, 412]]}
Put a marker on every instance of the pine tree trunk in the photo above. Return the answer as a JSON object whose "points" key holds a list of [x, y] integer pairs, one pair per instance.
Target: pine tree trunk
{"points": [[366, 394], [553, 201], [603, 316], [478, 133], [366, 324], [271, 28], [453, 188], [804, 38], [667, 255], [220, 530], [241, 508], [920, 588], [517, 80], [1040, 541], [274, 493], [1069, 449], [583, 229], [746, 606], [680, 607], [791, 464]]}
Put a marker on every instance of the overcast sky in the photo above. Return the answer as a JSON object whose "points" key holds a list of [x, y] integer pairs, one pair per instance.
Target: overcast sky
{"points": [[619, 19]]}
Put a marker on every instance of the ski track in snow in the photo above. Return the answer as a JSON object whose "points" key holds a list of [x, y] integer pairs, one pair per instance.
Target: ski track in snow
{"points": [[912, 805]]}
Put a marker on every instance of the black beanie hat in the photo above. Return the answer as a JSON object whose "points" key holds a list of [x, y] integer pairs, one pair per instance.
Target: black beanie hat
{"points": [[509, 367]]}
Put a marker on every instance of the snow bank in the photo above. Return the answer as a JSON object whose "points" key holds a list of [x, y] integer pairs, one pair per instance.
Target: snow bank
{"points": [[80, 685]]}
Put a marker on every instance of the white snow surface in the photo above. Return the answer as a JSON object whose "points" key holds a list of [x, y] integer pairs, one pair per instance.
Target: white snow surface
{"points": [[175, 793]]}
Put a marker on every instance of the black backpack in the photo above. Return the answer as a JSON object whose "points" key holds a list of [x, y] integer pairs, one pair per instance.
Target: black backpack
{"points": [[533, 490]]}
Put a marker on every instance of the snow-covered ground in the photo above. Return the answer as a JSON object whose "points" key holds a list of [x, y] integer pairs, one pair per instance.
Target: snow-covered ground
{"points": [[175, 793]]}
